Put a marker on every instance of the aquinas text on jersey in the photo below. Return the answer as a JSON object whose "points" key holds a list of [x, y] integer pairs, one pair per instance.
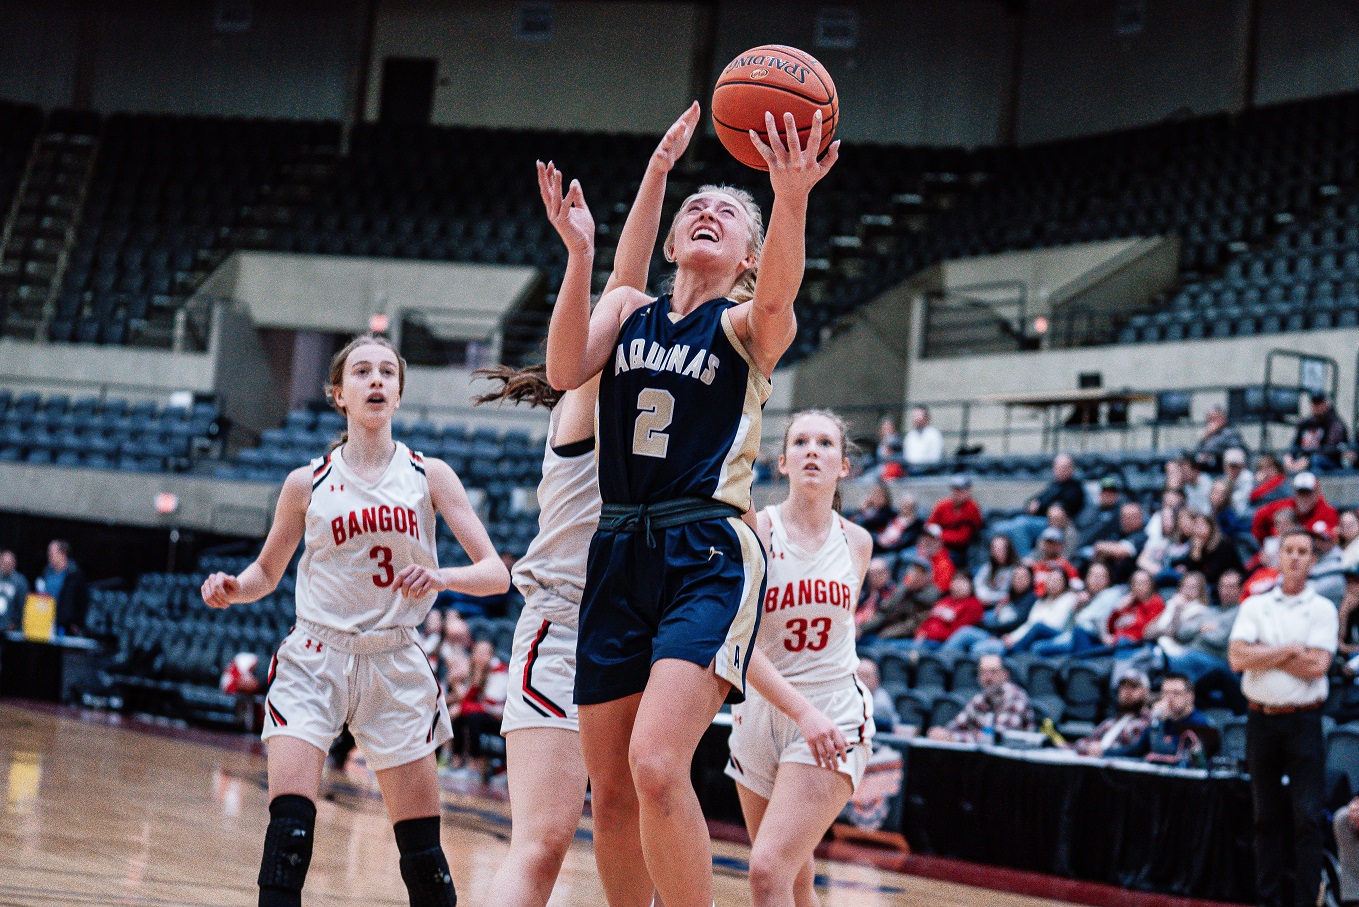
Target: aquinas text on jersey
{"points": [[375, 519], [636, 354], [808, 592]]}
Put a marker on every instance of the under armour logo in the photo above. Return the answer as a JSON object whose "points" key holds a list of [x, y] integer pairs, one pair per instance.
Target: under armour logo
{"points": [[312, 642]]}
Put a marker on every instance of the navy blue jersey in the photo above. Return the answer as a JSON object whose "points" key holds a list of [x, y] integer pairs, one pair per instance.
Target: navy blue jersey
{"points": [[679, 409]]}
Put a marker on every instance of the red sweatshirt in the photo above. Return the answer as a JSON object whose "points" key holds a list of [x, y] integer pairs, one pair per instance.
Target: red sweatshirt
{"points": [[947, 615], [960, 522], [1130, 621], [1262, 524]]}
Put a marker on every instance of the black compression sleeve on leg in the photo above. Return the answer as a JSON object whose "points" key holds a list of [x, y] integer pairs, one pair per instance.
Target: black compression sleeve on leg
{"points": [[287, 851], [423, 866]]}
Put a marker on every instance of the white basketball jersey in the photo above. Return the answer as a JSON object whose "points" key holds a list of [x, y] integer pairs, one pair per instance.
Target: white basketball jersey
{"points": [[359, 537], [551, 574], [807, 628]]}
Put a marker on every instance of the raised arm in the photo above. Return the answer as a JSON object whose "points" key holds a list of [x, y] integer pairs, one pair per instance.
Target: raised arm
{"points": [[486, 575], [770, 324], [632, 258], [221, 590]]}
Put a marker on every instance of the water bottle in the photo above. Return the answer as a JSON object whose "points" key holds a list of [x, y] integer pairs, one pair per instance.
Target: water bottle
{"points": [[988, 731]]}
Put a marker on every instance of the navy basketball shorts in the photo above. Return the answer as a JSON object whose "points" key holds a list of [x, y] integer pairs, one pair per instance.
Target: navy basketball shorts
{"points": [[694, 596]]}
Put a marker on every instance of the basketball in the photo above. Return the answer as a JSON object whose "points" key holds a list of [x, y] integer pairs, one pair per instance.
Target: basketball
{"points": [[778, 79]]}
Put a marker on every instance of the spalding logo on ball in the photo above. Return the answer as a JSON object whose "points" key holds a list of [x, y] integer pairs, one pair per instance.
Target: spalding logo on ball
{"points": [[778, 79]]}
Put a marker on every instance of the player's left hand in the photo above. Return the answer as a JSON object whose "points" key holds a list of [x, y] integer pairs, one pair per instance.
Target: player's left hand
{"points": [[826, 741], [794, 170], [416, 580], [567, 211]]}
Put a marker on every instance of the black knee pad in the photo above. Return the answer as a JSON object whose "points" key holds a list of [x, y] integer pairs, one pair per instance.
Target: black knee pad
{"points": [[287, 850], [424, 868]]}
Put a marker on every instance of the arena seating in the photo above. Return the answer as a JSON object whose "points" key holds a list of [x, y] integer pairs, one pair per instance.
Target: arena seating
{"points": [[19, 125], [104, 434]]}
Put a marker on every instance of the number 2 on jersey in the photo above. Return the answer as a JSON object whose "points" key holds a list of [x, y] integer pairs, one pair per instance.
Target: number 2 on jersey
{"points": [[383, 555], [797, 640], [656, 409]]}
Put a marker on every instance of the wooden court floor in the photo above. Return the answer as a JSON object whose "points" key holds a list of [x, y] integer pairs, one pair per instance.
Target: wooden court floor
{"points": [[98, 814]]}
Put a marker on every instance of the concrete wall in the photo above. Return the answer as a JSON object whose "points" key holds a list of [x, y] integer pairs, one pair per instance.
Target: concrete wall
{"points": [[608, 66], [1080, 76], [297, 59], [80, 370], [1307, 48]]}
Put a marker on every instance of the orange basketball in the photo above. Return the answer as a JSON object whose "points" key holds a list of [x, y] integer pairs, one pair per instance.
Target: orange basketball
{"points": [[778, 79]]}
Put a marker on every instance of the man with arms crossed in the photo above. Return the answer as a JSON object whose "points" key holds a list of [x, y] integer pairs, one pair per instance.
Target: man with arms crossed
{"points": [[1282, 643]]}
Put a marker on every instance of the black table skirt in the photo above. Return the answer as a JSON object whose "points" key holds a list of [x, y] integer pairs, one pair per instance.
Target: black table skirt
{"points": [[1168, 833]]}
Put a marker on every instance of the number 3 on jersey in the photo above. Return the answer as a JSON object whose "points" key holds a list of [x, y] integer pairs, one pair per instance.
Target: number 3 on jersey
{"points": [[797, 640], [655, 410], [383, 555]]}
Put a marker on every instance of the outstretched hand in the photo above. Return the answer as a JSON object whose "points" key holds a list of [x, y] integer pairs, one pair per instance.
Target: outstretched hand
{"points": [[675, 140], [792, 168], [569, 213]]}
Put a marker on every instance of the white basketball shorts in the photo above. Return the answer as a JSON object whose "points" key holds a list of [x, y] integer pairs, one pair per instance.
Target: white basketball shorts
{"points": [[762, 737], [379, 683], [542, 675]]}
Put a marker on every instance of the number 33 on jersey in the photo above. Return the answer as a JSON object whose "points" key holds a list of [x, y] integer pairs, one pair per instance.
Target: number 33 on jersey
{"points": [[359, 537]]}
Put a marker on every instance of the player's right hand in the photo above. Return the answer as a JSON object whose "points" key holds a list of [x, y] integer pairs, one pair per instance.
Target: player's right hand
{"points": [[825, 740], [218, 589], [568, 212], [675, 140]]}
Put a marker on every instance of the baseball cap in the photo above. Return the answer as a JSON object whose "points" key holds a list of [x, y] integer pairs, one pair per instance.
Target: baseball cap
{"points": [[1134, 675], [934, 529], [1052, 534], [1110, 483], [1304, 481], [1234, 455], [961, 481]]}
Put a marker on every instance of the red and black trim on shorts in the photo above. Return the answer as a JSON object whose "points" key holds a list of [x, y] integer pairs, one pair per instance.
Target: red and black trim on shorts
{"points": [[275, 714], [868, 713], [536, 700]]}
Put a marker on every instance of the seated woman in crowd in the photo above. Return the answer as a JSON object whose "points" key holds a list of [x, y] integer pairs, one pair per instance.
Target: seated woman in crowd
{"points": [[1179, 622], [876, 511], [1347, 534], [992, 582], [1229, 521], [481, 707], [1210, 552], [1128, 622], [904, 529], [1157, 557], [1094, 604], [960, 608], [1048, 617]]}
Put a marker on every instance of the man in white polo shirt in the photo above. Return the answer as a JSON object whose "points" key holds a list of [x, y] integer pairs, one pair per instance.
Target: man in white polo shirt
{"points": [[1282, 643]]}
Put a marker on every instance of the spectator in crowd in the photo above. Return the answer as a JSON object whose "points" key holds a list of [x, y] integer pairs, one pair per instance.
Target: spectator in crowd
{"points": [[889, 439], [1050, 616], [1127, 624], [1161, 526], [958, 518], [1327, 575], [884, 711], [1316, 443], [1019, 600], [1204, 658], [1000, 706], [1050, 555], [991, 583], [1262, 569], [893, 466], [1346, 829], [1094, 605], [1179, 623], [1064, 489], [901, 615], [876, 511], [1210, 552], [432, 635], [1271, 484], [960, 608], [931, 549], [454, 669], [1346, 533], [1131, 717], [1308, 505], [1119, 548], [65, 582], [924, 445], [1218, 437], [1195, 484], [1178, 733], [1229, 521], [479, 712], [1239, 480], [1071, 539], [1282, 643], [13, 592], [903, 530], [1102, 522], [1157, 559], [1348, 645], [878, 589]]}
